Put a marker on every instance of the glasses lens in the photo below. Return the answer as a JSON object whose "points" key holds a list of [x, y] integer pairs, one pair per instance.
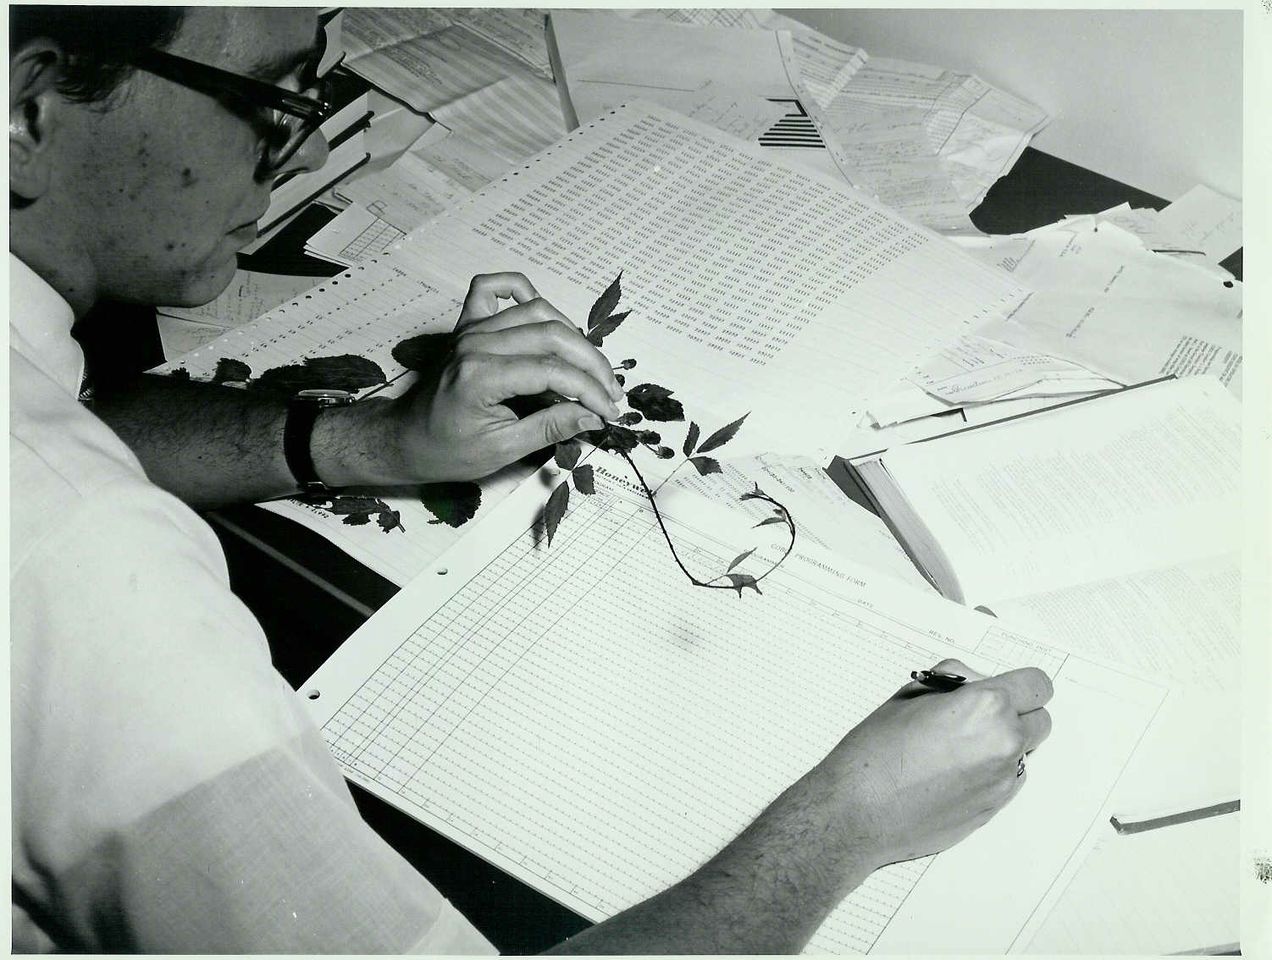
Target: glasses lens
{"points": [[288, 132]]}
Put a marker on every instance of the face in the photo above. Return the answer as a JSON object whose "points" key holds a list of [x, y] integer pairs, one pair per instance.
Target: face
{"points": [[161, 188]]}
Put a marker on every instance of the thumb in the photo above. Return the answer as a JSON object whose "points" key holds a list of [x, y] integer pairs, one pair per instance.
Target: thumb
{"points": [[560, 421]]}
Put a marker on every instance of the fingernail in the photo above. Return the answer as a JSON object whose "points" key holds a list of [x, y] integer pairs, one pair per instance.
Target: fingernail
{"points": [[616, 390], [614, 412], [589, 422]]}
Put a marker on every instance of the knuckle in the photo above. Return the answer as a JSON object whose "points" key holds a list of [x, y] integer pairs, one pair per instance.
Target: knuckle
{"points": [[993, 701], [467, 367]]}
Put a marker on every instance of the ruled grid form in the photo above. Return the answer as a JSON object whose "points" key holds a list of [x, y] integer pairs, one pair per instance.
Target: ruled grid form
{"points": [[587, 721]]}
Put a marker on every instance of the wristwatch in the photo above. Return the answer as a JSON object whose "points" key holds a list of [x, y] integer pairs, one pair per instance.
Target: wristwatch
{"points": [[302, 411]]}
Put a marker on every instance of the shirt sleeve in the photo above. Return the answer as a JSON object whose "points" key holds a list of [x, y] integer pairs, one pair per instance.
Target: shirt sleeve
{"points": [[169, 792]]}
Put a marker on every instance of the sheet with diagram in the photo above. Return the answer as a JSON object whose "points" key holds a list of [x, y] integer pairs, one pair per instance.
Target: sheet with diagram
{"points": [[588, 721], [927, 141]]}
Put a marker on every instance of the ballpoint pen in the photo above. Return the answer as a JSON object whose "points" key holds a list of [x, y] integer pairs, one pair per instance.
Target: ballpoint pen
{"points": [[938, 679]]}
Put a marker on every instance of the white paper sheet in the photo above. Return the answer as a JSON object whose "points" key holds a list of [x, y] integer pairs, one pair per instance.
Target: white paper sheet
{"points": [[1108, 304], [743, 276], [427, 56], [493, 699], [821, 511], [607, 60], [1102, 489], [1191, 905], [1206, 220]]}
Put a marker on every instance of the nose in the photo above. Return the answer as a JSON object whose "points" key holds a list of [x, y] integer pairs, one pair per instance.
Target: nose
{"points": [[312, 155]]}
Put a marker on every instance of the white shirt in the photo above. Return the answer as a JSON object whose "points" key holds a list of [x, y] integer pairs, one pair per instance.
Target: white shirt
{"points": [[169, 792]]}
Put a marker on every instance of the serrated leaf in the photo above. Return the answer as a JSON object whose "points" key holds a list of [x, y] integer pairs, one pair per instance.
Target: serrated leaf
{"points": [[740, 580], [453, 503], [229, 370], [740, 557], [345, 506], [605, 303], [706, 465], [765, 522], [691, 439], [614, 439], [648, 436], [390, 520], [426, 352], [664, 453], [596, 336], [723, 435], [618, 376], [554, 509], [346, 372], [655, 402], [567, 454], [584, 481], [630, 419]]}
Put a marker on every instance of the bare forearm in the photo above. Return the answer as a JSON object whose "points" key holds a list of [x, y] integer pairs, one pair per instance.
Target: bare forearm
{"points": [[766, 892], [212, 445]]}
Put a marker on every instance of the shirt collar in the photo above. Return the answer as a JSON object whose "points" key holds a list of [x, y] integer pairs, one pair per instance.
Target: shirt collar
{"points": [[40, 327]]}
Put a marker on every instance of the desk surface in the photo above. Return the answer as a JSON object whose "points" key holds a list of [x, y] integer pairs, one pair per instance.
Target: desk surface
{"points": [[309, 596]]}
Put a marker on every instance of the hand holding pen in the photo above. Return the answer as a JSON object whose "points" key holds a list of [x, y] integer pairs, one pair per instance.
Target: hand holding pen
{"points": [[940, 757]]}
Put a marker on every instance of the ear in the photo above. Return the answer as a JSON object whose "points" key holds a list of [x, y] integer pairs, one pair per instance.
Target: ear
{"points": [[35, 107]]}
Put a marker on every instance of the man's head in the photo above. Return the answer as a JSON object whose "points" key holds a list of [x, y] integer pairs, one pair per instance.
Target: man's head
{"points": [[130, 185]]}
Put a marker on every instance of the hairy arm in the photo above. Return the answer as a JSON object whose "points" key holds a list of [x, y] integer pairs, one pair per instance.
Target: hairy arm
{"points": [[916, 776], [211, 445]]}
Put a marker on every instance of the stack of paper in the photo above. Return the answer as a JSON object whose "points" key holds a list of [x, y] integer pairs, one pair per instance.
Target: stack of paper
{"points": [[927, 141]]}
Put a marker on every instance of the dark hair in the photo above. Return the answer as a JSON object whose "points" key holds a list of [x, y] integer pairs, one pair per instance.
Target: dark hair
{"points": [[96, 40]]}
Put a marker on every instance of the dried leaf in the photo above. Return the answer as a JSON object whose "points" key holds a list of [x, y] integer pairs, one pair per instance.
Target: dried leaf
{"points": [[740, 580], [723, 435], [596, 336], [567, 454], [664, 453], [630, 419], [655, 402], [605, 303], [628, 364], [706, 465], [453, 503], [181, 373], [345, 372], [740, 557], [756, 494], [765, 522], [358, 511], [229, 370], [691, 439], [425, 352], [614, 439], [648, 436], [347, 506], [584, 481], [618, 376], [554, 510]]}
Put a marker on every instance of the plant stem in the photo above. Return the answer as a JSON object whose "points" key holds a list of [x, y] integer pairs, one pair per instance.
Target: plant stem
{"points": [[709, 584]]}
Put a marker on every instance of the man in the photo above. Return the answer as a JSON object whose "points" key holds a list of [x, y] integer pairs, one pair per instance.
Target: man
{"points": [[169, 794]]}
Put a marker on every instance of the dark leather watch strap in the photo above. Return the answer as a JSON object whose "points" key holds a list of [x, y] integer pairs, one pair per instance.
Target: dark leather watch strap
{"points": [[302, 411]]}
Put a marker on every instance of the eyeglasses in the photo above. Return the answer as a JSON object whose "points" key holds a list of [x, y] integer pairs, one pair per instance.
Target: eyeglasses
{"points": [[285, 118]]}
